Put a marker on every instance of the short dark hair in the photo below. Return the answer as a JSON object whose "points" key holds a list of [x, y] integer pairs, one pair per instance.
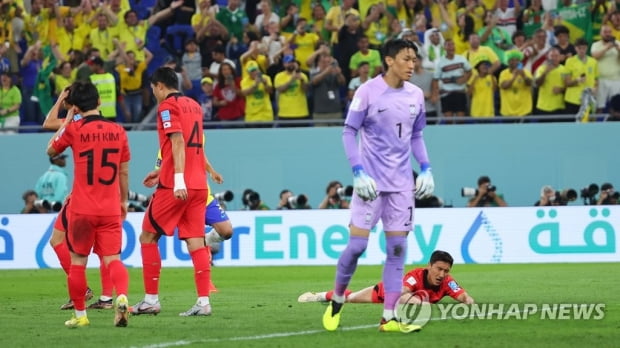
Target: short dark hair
{"points": [[283, 192], [560, 29], [483, 180], [581, 42], [440, 255], [167, 76], [83, 95], [393, 47], [332, 184]]}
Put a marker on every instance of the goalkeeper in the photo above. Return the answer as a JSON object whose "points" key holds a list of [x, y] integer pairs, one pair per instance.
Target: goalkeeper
{"points": [[388, 113], [428, 284]]}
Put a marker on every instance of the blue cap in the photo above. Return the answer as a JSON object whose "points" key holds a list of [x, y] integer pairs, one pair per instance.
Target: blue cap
{"points": [[288, 58]]}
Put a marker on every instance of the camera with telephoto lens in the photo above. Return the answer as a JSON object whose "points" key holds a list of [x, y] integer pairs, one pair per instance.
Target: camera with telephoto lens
{"points": [[47, 205], [590, 191], [297, 202], [472, 192], [567, 195], [225, 196], [250, 199], [344, 192], [138, 197]]}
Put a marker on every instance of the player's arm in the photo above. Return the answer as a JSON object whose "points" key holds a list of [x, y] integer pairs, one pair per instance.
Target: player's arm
{"points": [[217, 177], [425, 184], [465, 298], [52, 122], [51, 151], [178, 158], [123, 179]]}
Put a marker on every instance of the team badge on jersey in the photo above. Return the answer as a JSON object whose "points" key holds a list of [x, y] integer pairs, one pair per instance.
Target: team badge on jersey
{"points": [[411, 281], [454, 286], [412, 110]]}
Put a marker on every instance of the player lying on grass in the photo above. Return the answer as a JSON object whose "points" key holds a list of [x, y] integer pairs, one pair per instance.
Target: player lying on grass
{"points": [[428, 284]]}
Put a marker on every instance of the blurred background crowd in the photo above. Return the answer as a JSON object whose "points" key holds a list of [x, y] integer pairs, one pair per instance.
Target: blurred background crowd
{"points": [[252, 62]]}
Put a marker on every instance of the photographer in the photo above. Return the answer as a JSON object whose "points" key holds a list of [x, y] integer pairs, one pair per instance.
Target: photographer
{"points": [[29, 198], [289, 201], [608, 195], [551, 197], [485, 195], [251, 201], [337, 197]]}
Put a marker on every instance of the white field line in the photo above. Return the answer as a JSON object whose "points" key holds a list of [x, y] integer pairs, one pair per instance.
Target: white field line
{"points": [[267, 336]]}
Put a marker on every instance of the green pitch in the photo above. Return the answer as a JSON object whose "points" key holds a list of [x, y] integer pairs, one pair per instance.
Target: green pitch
{"points": [[257, 307]]}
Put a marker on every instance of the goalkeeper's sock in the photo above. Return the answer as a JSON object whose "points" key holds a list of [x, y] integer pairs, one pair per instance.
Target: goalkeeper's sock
{"points": [[213, 237], [119, 277], [62, 252], [396, 248], [107, 286], [347, 263], [201, 258], [151, 268]]}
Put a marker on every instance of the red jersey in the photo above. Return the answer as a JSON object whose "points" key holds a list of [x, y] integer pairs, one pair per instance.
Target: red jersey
{"points": [[416, 279], [181, 114], [99, 147]]}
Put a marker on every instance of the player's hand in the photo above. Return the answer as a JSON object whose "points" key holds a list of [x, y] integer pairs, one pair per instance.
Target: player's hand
{"points": [[424, 184], [363, 185], [151, 179], [217, 177], [180, 191]]}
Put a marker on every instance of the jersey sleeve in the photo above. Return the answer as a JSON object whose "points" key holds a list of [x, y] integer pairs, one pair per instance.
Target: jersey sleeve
{"points": [[358, 108], [450, 287], [169, 118], [125, 153], [63, 139]]}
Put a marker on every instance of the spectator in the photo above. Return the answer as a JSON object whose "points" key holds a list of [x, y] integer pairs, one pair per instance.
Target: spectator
{"points": [[304, 43], [336, 18], [234, 18], [515, 85], [606, 52], [227, 95], [450, 82], [551, 81], [317, 23], [326, 79], [131, 70], [29, 198], [476, 11], [375, 25], [257, 88], [70, 36], [406, 11], [566, 48], [192, 63], [461, 28], [288, 23], [273, 41], [106, 86], [433, 49], [582, 72], [532, 18], [63, 77], [10, 103], [101, 36], [30, 67], [476, 51], [536, 53], [481, 87], [486, 196], [255, 53], [206, 99], [219, 57], [264, 19], [600, 10], [608, 195], [494, 36], [53, 186], [37, 23], [291, 85], [507, 16], [424, 79], [362, 76], [210, 34], [348, 38], [334, 199], [366, 54]]}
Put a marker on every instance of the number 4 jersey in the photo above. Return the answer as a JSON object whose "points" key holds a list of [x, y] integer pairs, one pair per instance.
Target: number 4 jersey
{"points": [[99, 147], [179, 114]]}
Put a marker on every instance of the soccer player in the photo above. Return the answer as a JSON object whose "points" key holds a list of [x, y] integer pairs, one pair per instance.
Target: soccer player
{"points": [[179, 200], [429, 284], [389, 114], [98, 198]]}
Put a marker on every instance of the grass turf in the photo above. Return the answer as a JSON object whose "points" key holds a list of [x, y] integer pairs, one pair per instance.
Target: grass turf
{"points": [[257, 307]]}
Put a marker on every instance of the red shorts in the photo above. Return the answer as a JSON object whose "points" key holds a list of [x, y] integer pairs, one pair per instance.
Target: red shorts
{"points": [[103, 234], [165, 213], [378, 293], [62, 219]]}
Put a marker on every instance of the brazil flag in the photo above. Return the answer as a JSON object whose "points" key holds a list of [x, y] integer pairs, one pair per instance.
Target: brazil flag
{"points": [[577, 18]]}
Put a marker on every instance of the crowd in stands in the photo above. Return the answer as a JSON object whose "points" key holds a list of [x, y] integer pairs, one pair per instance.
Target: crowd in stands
{"points": [[250, 62]]}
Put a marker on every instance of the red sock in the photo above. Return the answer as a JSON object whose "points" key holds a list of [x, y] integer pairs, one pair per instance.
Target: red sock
{"points": [[76, 282], [62, 251], [151, 268], [119, 277], [329, 294], [201, 259], [107, 287]]}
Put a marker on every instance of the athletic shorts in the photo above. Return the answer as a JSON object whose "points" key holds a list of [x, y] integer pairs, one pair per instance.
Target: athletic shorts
{"points": [[454, 102], [215, 213], [378, 293], [395, 209], [62, 219], [103, 234], [165, 213]]}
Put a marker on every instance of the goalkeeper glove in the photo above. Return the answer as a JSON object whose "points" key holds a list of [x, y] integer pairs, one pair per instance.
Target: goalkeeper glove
{"points": [[363, 184], [424, 183]]}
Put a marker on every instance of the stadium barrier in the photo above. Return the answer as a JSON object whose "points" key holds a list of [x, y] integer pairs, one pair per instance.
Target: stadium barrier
{"points": [[317, 237]]}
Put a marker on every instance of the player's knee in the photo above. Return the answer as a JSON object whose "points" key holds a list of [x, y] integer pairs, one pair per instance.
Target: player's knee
{"points": [[357, 249], [57, 237], [225, 230], [396, 247], [147, 237]]}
